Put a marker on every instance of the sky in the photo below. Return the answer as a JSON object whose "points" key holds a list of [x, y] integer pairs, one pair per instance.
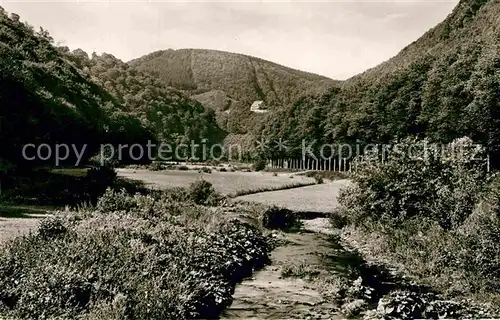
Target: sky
{"points": [[337, 39]]}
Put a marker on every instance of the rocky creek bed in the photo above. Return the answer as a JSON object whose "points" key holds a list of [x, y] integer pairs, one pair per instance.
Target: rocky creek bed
{"points": [[313, 276]]}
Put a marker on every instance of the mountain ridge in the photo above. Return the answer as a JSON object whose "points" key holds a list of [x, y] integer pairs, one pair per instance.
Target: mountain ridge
{"points": [[230, 81]]}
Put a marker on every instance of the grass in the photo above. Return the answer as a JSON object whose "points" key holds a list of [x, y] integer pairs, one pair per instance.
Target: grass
{"points": [[268, 189], [328, 175], [226, 183]]}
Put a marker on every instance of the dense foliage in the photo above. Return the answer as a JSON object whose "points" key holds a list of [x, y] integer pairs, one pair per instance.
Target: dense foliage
{"points": [[153, 259], [436, 213], [170, 114], [443, 86], [46, 99]]}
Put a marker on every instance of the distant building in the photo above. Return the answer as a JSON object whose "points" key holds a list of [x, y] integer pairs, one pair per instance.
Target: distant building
{"points": [[259, 107]]}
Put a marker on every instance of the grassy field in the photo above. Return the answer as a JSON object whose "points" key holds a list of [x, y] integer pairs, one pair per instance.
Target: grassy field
{"points": [[226, 183], [316, 198]]}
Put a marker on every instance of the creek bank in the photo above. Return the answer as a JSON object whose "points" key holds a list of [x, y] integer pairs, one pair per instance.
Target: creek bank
{"points": [[383, 291]]}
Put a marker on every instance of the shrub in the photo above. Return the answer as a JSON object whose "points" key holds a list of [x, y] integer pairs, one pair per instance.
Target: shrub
{"points": [[99, 179], [436, 213], [156, 166], [51, 228], [204, 170], [129, 267], [440, 184], [183, 168], [279, 218], [112, 201], [259, 165], [202, 192], [318, 179]]}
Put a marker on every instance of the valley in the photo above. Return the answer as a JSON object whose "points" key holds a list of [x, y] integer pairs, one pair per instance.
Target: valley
{"points": [[409, 232]]}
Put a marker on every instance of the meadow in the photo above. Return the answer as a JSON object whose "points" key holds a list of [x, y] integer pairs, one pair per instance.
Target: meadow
{"points": [[315, 198], [226, 183]]}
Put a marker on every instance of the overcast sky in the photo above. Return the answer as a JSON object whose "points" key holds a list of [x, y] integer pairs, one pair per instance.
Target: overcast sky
{"points": [[337, 39]]}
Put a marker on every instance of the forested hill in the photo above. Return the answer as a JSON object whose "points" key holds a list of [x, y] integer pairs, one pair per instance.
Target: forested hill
{"points": [[228, 81], [52, 96], [45, 99], [444, 85], [170, 114]]}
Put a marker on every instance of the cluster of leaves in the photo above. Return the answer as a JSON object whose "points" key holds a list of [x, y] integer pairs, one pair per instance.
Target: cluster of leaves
{"points": [[436, 212], [158, 260]]}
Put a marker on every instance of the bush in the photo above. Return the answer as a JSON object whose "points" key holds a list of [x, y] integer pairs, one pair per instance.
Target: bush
{"points": [[156, 166], [436, 213], [439, 184], [112, 201], [183, 168], [259, 165], [202, 192]]}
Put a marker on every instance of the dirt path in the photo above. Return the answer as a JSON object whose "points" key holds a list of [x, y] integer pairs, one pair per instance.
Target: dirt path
{"points": [[267, 295]]}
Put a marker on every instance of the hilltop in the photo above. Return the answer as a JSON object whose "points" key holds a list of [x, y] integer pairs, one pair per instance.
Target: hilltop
{"points": [[230, 82]]}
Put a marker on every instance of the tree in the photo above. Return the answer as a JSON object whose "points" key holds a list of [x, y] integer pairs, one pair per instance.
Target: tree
{"points": [[5, 168]]}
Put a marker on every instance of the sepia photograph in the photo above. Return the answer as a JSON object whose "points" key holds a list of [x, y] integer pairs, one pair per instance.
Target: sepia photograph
{"points": [[249, 159]]}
